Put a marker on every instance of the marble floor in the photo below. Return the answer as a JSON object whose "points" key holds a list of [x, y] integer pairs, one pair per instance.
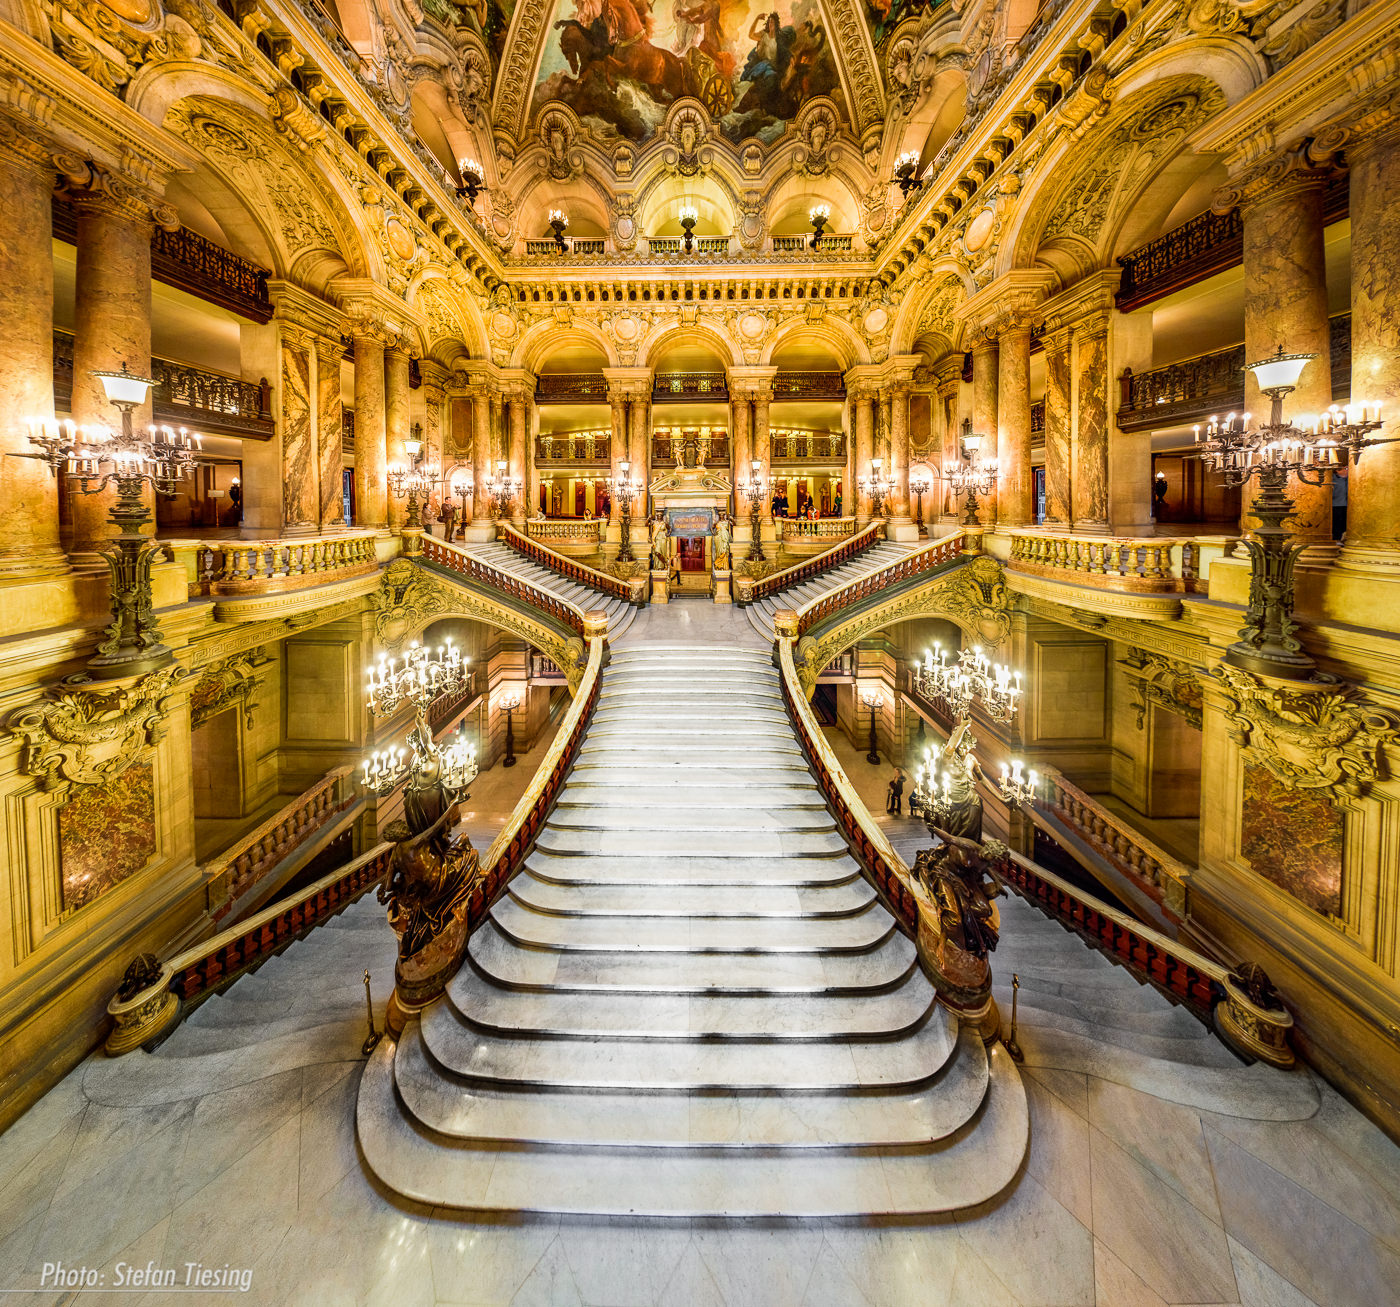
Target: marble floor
{"points": [[1156, 1173]]}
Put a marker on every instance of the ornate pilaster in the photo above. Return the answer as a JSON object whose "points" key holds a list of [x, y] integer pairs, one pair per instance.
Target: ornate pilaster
{"points": [[370, 336], [947, 425], [29, 547], [899, 384], [985, 373], [739, 407], [1058, 436], [396, 414]]}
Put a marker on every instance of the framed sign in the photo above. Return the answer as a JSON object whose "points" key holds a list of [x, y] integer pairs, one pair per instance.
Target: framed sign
{"points": [[689, 523]]}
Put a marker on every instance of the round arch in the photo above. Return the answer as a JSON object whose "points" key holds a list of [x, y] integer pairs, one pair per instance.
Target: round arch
{"points": [[944, 280], [835, 334], [671, 334], [544, 339]]}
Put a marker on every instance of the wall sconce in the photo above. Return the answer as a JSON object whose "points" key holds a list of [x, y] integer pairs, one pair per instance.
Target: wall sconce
{"points": [[819, 216], [690, 215], [473, 179]]}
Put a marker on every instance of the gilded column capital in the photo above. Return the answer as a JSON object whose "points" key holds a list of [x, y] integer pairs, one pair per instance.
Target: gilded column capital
{"points": [[22, 143], [1374, 123], [1305, 165], [371, 327], [329, 350], [91, 188]]}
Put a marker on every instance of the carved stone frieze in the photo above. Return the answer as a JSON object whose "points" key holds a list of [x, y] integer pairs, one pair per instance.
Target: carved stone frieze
{"points": [[230, 682], [1323, 735], [84, 733], [1172, 685]]}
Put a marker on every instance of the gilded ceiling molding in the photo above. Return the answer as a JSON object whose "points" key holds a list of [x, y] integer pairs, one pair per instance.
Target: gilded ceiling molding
{"points": [[515, 79], [855, 58], [1324, 735], [83, 733]]}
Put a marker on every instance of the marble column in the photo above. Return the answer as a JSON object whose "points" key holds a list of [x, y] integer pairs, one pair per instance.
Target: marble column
{"points": [[1058, 413], [1089, 435], [865, 451], [848, 481], [947, 424], [1285, 303], [899, 454], [498, 429], [531, 417], [301, 490], [396, 403], [482, 466], [112, 327], [742, 451], [763, 443], [1014, 476], [371, 455], [618, 449], [329, 426], [985, 381], [640, 441], [1373, 489], [459, 421], [29, 546], [519, 434]]}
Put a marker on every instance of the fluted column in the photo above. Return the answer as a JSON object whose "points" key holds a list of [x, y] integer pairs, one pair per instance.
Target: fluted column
{"points": [[371, 454], [112, 327], [329, 422], [1014, 477], [985, 383], [29, 545], [865, 451], [1285, 303], [1373, 485], [1058, 413]]}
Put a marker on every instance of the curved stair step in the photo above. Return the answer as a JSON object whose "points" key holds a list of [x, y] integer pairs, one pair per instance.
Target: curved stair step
{"points": [[689, 870], [843, 899]]}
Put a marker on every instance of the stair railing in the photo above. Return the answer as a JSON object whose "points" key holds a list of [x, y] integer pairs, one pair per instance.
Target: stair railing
{"points": [[935, 554], [455, 559], [632, 592], [814, 566], [149, 1009]]}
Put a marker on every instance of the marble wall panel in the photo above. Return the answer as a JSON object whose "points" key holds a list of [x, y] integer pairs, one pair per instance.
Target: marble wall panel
{"points": [[300, 493], [1293, 838], [1090, 472], [1057, 432], [106, 834]]}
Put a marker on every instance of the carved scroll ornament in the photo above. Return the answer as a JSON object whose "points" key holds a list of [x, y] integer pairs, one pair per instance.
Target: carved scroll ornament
{"points": [[1164, 681], [1324, 736], [83, 734]]}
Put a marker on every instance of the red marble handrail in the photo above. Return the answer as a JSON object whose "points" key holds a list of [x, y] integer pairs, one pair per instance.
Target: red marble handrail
{"points": [[214, 960], [464, 564], [257, 853], [928, 559], [833, 557], [565, 567]]}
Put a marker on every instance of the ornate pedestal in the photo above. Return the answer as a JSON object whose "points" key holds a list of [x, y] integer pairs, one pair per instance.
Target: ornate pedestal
{"points": [[721, 578], [660, 586]]}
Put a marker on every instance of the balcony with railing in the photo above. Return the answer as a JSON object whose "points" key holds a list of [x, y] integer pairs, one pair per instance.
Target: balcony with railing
{"points": [[702, 446], [793, 384], [1153, 568], [801, 445], [689, 385], [184, 396], [256, 567], [1193, 389], [571, 388], [575, 448]]}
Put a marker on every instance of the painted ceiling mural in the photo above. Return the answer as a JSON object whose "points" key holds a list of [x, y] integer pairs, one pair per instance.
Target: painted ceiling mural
{"points": [[619, 64]]}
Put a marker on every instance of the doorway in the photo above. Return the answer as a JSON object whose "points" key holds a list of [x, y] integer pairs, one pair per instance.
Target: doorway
{"points": [[692, 553]]}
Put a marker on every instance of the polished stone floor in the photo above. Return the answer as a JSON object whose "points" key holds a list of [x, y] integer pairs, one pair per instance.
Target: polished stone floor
{"points": [[1157, 1173]]}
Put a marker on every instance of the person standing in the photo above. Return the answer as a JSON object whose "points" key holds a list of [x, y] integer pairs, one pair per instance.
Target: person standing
{"points": [[894, 806]]}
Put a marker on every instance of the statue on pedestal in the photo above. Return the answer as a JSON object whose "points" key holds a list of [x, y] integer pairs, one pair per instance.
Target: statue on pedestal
{"points": [[962, 814], [660, 548], [723, 538]]}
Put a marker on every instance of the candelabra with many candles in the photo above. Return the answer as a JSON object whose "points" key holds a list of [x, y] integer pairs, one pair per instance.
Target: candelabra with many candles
{"points": [[501, 489], [95, 458], [413, 479], [919, 484], [1312, 449], [437, 776], [755, 489], [972, 477], [973, 677], [876, 486], [625, 488]]}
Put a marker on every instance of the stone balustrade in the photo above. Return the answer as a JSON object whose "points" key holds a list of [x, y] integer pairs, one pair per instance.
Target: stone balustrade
{"points": [[1105, 562], [576, 530], [838, 553], [241, 868], [823, 528], [1154, 871], [237, 567]]}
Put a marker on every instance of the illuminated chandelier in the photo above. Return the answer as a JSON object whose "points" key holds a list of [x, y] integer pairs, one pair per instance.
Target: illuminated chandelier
{"points": [[973, 678]]}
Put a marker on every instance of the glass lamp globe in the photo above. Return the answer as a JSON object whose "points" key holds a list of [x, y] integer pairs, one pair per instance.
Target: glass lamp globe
{"points": [[124, 387], [1281, 371]]}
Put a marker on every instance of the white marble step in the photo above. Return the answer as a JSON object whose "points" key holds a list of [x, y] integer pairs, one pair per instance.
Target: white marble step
{"points": [[505, 1009], [676, 799], [460, 1110], [748, 846], [692, 935], [712, 776], [670, 900], [689, 869], [738, 719], [700, 818], [795, 973], [970, 1169], [690, 1063]]}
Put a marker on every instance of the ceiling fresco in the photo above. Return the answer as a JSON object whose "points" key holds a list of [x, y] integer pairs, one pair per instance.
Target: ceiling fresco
{"points": [[619, 64]]}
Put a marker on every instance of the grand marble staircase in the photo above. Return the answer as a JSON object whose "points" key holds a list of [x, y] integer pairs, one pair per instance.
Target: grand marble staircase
{"points": [[690, 1002], [760, 612], [620, 613]]}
